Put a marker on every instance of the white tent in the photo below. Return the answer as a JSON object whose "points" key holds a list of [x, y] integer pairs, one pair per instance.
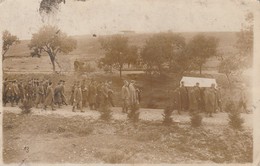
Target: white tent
{"points": [[204, 82]]}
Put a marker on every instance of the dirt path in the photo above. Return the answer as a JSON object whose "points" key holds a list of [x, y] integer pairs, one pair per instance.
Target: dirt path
{"points": [[145, 114]]}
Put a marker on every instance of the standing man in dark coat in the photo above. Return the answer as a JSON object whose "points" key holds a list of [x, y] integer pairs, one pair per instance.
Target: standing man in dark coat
{"points": [[84, 93], [176, 100], [92, 95], [49, 100], [57, 94], [77, 101], [125, 97], [15, 92], [210, 100], [195, 99], [63, 97], [39, 94], [184, 94], [21, 91]]}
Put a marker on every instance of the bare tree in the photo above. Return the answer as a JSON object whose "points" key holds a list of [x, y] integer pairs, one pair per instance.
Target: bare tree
{"points": [[8, 41], [51, 40]]}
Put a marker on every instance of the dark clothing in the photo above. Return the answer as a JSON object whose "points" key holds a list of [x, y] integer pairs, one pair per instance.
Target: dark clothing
{"points": [[92, 95], [184, 98], [84, 94]]}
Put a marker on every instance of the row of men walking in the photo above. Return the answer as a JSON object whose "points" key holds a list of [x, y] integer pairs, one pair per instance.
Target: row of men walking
{"points": [[196, 99], [46, 94]]}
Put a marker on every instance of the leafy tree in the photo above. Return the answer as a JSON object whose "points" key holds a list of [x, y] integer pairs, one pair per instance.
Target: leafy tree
{"points": [[163, 51], [200, 48], [244, 42], [52, 41], [132, 56], [117, 52], [8, 41], [229, 66]]}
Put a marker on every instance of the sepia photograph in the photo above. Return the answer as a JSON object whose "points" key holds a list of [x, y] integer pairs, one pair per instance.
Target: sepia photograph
{"points": [[128, 81]]}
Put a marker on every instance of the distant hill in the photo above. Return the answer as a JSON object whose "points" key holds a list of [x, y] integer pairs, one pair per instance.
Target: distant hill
{"points": [[88, 47]]}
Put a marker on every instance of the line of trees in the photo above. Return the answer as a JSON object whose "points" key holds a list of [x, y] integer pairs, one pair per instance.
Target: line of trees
{"points": [[163, 52]]}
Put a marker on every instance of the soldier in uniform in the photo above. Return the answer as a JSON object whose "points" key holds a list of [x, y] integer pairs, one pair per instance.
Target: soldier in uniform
{"points": [[176, 100], [77, 99], [49, 100], [133, 95], [210, 100], [15, 92], [8, 93], [57, 94], [184, 97], [84, 93], [195, 99], [110, 93], [125, 97], [92, 95], [219, 100], [21, 91], [39, 94], [98, 94], [63, 97], [72, 93]]}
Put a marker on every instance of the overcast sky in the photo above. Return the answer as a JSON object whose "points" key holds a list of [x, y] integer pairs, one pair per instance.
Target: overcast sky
{"points": [[21, 17]]}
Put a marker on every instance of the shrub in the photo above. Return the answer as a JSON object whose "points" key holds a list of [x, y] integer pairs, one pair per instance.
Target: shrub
{"points": [[26, 107], [167, 116], [196, 120], [105, 112], [133, 115], [235, 120], [114, 157], [230, 106]]}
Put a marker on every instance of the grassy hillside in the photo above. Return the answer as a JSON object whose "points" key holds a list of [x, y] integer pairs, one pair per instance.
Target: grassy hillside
{"points": [[88, 47]]}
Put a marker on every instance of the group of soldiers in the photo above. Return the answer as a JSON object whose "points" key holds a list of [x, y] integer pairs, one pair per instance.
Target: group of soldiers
{"points": [[45, 93], [93, 94], [34, 91], [196, 99], [131, 95]]}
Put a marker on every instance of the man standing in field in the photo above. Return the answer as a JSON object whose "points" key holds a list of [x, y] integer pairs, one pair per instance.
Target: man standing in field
{"points": [[63, 97], [15, 92], [84, 93], [133, 95], [49, 100], [125, 97], [39, 94], [21, 90], [92, 95], [210, 100], [195, 98], [184, 95], [176, 100], [57, 94], [110, 93], [77, 101]]}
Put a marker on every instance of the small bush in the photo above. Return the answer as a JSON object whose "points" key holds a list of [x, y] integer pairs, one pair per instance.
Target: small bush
{"points": [[133, 115], [26, 107], [196, 120], [114, 158], [167, 116], [230, 106], [235, 120], [105, 112]]}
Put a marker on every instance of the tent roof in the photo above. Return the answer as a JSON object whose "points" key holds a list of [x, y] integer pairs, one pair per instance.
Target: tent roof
{"points": [[204, 82]]}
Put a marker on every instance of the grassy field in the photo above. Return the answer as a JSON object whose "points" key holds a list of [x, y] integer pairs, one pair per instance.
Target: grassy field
{"points": [[54, 138], [88, 48]]}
